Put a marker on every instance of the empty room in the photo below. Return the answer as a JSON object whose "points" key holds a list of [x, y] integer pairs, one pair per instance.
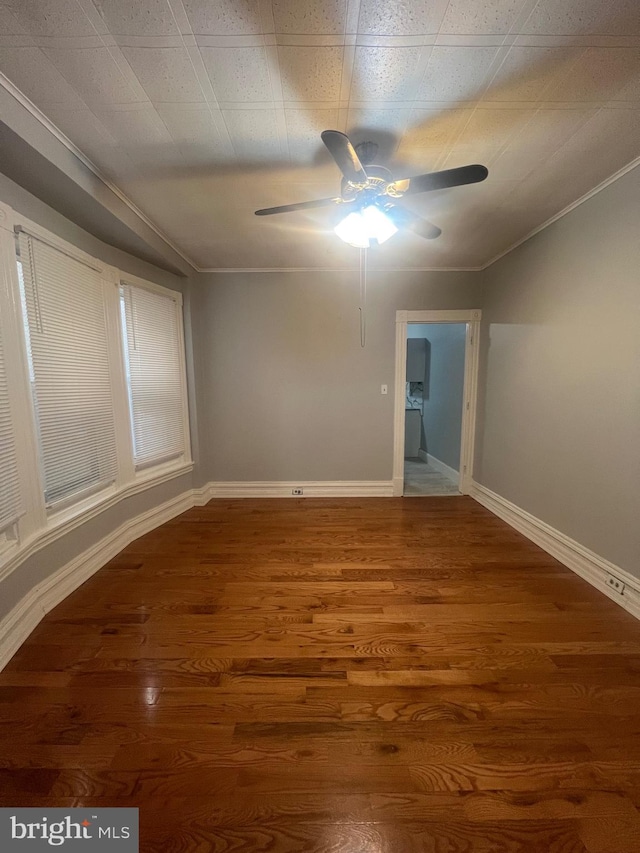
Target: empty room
{"points": [[320, 426]]}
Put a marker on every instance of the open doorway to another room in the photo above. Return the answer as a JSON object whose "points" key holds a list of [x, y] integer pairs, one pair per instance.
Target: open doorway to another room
{"points": [[433, 408], [436, 381]]}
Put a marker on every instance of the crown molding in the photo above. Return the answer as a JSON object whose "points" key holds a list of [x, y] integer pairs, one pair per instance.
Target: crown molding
{"points": [[24, 101], [610, 180], [337, 269]]}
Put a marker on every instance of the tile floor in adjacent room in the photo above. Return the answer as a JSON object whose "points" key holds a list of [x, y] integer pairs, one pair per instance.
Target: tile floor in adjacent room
{"points": [[422, 479]]}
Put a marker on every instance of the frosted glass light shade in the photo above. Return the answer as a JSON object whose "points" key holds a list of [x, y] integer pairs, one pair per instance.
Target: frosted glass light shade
{"points": [[352, 231], [359, 228], [378, 226]]}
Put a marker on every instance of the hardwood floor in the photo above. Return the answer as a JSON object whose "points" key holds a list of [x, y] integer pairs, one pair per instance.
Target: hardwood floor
{"points": [[375, 675]]}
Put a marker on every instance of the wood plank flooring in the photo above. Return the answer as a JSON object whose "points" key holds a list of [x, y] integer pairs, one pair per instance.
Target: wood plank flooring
{"points": [[370, 676]]}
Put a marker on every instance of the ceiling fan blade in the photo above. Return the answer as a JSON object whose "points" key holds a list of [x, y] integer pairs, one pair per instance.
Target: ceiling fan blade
{"points": [[302, 205], [440, 180], [403, 218], [345, 155]]}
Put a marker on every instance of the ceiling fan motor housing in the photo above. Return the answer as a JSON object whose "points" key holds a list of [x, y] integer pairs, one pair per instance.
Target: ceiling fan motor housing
{"points": [[378, 177], [367, 152]]}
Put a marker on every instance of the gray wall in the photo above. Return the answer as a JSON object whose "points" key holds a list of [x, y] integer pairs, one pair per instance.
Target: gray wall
{"points": [[443, 389], [48, 560], [559, 419], [285, 391]]}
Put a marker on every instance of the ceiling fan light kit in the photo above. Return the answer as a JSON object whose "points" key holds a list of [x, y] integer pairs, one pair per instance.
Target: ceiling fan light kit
{"points": [[363, 228], [371, 194]]}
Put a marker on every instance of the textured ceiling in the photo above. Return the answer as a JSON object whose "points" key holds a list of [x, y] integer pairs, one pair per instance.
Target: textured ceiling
{"points": [[201, 111]]}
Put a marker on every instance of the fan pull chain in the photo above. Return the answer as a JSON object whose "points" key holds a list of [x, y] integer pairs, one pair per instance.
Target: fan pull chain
{"points": [[363, 297]]}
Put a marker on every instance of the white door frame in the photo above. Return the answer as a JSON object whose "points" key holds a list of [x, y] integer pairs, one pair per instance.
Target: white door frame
{"points": [[472, 319]]}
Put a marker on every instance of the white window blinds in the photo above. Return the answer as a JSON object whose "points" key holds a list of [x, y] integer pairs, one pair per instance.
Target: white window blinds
{"points": [[153, 347], [10, 499], [67, 332]]}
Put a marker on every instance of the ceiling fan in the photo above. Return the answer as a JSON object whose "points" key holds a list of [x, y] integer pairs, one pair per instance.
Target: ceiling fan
{"points": [[370, 193]]}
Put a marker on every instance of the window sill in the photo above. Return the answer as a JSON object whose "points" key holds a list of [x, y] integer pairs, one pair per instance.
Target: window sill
{"points": [[80, 513], [64, 521], [9, 548], [69, 511], [159, 474]]}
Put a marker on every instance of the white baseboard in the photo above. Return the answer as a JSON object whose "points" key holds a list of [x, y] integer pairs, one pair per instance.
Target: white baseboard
{"points": [[201, 495], [317, 489], [27, 614], [439, 465], [589, 565]]}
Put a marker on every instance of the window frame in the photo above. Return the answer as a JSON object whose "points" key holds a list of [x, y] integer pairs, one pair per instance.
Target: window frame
{"points": [[146, 471], [19, 383], [65, 506], [39, 526]]}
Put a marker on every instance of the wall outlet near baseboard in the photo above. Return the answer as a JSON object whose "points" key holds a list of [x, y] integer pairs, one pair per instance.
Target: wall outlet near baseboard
{"points": [[615, 583], [297, 492]]}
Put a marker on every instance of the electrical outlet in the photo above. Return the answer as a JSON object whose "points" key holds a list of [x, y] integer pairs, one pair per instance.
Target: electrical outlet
{"points": [[297, 491], [615, 583]]}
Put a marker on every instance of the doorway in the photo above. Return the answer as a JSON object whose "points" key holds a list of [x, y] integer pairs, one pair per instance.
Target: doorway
{"points": [[435, 401]]}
